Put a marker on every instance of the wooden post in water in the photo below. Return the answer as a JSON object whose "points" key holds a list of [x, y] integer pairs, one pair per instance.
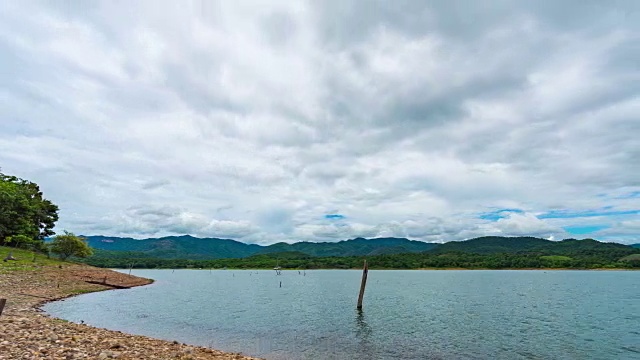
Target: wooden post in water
{"points": [[365, 270], [3, 302]]}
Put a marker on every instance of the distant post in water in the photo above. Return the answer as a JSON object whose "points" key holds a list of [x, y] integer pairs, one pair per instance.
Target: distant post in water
{"points": [[365, 270]]}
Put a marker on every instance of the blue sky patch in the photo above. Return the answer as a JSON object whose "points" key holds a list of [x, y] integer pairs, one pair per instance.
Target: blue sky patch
{"points": [[631, 195], [499, 214], [566, 214], [334, 216], [584, 229]]}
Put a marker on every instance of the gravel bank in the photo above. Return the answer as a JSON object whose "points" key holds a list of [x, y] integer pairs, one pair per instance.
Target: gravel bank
{"points": [[27, 333]]}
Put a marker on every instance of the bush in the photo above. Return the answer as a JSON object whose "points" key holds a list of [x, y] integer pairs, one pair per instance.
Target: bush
{"points": [[70, 245]]}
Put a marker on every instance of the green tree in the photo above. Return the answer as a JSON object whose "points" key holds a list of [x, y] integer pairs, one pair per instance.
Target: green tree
{"points": [[70, 245], [21, 241], [24, 211]]}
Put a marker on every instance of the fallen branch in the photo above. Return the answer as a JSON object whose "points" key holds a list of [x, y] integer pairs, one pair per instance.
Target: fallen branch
{"points": [[109, 285]]}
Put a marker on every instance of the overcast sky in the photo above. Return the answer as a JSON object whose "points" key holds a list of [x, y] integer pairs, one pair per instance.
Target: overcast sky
{"points": [[268, 121]]}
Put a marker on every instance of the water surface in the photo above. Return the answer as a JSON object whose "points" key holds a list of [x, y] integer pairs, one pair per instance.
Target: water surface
{"points": [[407, 314]]}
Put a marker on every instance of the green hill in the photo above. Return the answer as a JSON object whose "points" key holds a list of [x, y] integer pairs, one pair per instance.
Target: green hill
{"points": [[492, 245], [175, 247], [353, 247], [514, 245], [573, 254], [491, 252], [636, 246], [189, 247]]}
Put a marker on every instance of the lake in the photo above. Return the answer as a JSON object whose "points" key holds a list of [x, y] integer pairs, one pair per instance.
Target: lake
{"points": [[407, 314]]}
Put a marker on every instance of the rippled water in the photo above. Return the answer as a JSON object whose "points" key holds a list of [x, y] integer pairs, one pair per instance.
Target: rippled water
{"points": [[407, 314]]}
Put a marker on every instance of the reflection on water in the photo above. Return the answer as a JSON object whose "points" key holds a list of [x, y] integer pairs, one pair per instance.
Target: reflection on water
{"points": [[363, 334]]}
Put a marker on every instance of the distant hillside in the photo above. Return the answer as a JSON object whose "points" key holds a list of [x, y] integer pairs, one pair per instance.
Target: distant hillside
{"points": [[497, 253], [175, 247], [513, 245], [353, 247], [636, 246], [189, 247]]}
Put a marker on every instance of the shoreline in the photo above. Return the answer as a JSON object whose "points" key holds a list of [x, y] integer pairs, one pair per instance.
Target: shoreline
{"points": [[28, 332], [395, 269]]}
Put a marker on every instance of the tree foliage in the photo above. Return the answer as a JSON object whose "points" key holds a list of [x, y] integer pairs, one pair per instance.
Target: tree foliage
{"points": [[573, 256], [26, 217], [70, 245], [21, 241]]}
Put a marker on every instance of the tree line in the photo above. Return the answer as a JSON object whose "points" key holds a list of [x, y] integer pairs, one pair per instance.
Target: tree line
{"points": [[27, 219], [602, 259]]}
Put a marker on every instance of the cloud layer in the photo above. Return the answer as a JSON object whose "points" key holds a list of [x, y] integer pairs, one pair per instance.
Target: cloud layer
{"points": [[302, 120]]}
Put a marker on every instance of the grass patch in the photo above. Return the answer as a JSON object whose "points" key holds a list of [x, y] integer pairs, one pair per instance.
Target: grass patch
{"points": [[632, 260], [26, 260], [80, 291], [633, 257]]}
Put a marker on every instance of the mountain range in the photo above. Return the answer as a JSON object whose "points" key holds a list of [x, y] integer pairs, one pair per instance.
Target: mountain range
{"points": [[500, 245], [189, 247]]}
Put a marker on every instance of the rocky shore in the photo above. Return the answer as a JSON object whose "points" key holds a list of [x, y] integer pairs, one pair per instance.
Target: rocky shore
{"points": [[27, 333]]}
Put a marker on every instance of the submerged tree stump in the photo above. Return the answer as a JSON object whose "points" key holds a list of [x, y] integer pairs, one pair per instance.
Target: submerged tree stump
{"points": [[365, 270]]}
